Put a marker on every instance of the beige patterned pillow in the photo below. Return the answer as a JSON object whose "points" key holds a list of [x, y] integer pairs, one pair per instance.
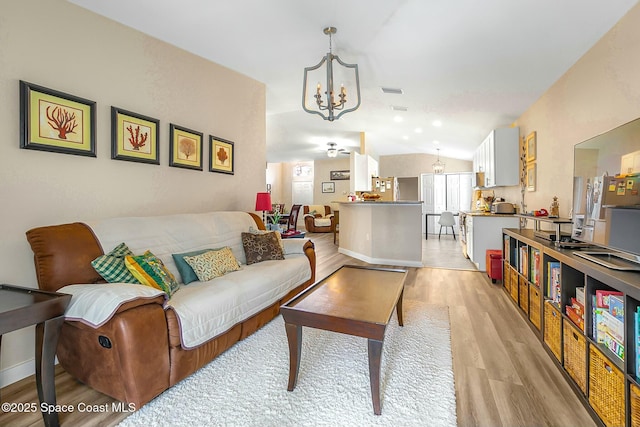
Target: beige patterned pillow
{"points": [[261, 247], [212, 264]]}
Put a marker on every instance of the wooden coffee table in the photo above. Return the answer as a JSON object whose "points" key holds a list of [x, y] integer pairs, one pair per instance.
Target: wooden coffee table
{"points": [[353, 300]]}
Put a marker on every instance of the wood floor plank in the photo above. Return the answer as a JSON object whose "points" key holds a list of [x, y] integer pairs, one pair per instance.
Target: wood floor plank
{"points": [[503, 376]]}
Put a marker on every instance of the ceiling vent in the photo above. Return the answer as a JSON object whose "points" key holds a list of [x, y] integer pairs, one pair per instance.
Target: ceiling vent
{"points": [[398, 108], [395, 91]]}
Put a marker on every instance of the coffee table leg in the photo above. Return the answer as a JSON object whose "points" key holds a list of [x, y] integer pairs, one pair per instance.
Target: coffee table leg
{"points": [[375, 356], [399, 309], [294, 336], [46, 342]]}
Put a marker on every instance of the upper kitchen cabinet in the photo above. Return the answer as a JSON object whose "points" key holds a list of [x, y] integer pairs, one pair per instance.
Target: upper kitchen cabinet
{"points": [[630, 163], [363, 168], [496, 159]]}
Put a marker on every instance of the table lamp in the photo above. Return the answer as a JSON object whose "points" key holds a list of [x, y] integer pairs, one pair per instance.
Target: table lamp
{"points": [[263, 203]]}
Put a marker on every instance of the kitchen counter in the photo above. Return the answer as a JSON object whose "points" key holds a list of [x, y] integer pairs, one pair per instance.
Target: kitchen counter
{"points": [[483, 213], [382, 232], [382, 202], [484, 231]]}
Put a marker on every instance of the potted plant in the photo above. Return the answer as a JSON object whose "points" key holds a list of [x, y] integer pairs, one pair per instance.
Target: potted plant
{"points": [[275, 220]]}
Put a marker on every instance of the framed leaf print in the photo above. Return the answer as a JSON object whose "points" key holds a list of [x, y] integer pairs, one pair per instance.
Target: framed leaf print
{"points": [[57, 122], [221, 158], [134, 137], [185, 148]]}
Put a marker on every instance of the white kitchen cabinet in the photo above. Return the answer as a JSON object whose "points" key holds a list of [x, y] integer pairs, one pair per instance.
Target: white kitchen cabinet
{"points": [[630, 163], [485, 232], [363, 167], [498, 158]]}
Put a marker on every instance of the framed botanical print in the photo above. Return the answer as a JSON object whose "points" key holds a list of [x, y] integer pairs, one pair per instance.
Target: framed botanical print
{"points": [[57, 122], [328, 187], [531, 147], [221, 155], [531, 177], [134, 137], [185, 148]]}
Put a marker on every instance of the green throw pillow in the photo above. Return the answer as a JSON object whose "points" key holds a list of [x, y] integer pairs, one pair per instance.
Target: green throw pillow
{"points": [[111, 266], [186, 272], [151, 271]]}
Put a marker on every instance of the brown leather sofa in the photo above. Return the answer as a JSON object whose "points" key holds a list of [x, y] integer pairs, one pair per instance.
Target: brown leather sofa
{"points": [[318, 218], [137, 354]]}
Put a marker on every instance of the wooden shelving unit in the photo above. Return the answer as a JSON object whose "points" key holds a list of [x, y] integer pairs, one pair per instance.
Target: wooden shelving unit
{"points": [[607, 385]]}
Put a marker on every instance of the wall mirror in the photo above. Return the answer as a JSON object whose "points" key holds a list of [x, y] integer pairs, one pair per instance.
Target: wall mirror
{"points": [[596, 163]]}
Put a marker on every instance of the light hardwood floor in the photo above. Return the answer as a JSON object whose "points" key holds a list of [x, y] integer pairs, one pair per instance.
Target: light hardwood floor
{"points": [[503, 376]]}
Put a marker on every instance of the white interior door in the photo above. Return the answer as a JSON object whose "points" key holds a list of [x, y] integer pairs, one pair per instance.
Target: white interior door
{"points": [[302, 193]]}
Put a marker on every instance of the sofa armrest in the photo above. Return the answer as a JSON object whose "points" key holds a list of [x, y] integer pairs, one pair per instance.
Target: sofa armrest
{"points": [[95, 305]]}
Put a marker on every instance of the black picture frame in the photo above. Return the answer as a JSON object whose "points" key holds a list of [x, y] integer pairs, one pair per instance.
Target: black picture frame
{"points": [[183, 143], [127, 128], [340, 175], [57, 122], [328, 187], [222, 155]]}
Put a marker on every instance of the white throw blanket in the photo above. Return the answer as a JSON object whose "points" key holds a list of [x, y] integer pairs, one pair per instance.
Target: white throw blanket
{"points": [[204, 309]]}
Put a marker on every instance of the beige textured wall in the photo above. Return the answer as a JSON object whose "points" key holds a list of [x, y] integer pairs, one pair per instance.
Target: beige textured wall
{"points": [[600, 92], [407, 165], [58, 45]]}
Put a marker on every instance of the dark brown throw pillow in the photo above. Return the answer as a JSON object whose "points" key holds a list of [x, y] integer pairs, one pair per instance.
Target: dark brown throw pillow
{"points": [[261, 247]]}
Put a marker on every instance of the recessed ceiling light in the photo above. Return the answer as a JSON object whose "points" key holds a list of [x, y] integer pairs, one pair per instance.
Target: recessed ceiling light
{"points": [[437, 123], [405, 137], [418, 130]]}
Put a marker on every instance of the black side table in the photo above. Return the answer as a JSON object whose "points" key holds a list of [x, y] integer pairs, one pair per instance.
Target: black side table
{"points": [[21, 307]]}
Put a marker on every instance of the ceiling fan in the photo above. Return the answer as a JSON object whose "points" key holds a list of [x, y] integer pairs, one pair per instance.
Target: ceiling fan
{"points": [[332, 151]]}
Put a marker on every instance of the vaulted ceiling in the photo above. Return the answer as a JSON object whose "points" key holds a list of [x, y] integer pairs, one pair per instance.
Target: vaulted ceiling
{"points": [[470, 65]]}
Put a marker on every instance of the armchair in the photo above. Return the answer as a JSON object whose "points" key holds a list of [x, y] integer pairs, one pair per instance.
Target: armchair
{"points": [[318, 218]]}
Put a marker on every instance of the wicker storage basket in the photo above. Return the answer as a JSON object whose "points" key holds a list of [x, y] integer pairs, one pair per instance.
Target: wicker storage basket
{"points": [[553, 329], [514, 285], [634, 396], [524, 295], [606, 389], [575, 354], [534, 306], [506, 275]]}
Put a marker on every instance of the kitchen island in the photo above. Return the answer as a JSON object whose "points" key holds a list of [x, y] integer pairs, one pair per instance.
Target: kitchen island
{"points": [[380, 232]]}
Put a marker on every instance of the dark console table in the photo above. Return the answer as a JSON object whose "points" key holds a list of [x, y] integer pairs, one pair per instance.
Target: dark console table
{"points": [[21, 307]]}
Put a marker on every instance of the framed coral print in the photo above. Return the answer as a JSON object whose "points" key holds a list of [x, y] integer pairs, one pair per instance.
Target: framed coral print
{"points": [[134, 137], [185, 148], [57, 122], [531, 177], [531, 147], [221, 154]]}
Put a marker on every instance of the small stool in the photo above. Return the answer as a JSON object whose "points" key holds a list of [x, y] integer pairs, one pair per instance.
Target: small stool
{"points": [[494, 264]]}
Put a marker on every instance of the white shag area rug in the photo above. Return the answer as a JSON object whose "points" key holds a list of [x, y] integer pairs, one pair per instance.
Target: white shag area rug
{"points": [[247, 385]]}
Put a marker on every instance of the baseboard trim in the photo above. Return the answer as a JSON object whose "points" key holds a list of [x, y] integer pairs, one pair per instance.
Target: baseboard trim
{"points": [[370, 260], [17, 372]]}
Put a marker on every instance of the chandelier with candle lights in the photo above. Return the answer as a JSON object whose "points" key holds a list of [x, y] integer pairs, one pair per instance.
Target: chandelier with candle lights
{"points": [[324, 103]]}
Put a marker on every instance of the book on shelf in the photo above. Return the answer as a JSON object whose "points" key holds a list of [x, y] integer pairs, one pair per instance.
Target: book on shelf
{"points": [[599, 330], [506, 247], [616, 306], [613, 325], [553, 281], [614, 345], [534, 273], [575, 317], [602, 297], [636, 333], [578, 307], [524, 261], [580, 295]]}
